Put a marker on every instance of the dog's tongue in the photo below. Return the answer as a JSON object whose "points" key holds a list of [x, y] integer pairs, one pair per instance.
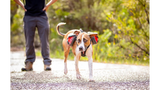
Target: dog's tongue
{"points": [[83, 52]]}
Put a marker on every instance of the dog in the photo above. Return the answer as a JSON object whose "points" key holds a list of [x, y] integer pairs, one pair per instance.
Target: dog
{"points": [[81, 44]]}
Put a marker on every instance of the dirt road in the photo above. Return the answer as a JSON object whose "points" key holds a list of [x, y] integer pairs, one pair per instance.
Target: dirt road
{"points": [[106, 76]]}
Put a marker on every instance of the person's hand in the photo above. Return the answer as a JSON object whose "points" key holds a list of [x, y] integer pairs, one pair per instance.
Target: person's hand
{"points": [[49, 4], [21, 4], [24, 8], [45, 8]]}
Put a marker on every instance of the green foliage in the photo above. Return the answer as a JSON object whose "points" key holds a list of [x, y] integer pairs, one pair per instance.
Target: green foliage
{"points": [[61, 13], [17, 36], [16, 24], [130, 32]]}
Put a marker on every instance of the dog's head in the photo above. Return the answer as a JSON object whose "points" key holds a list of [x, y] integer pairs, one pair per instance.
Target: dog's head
{"points": [[84, 40]]}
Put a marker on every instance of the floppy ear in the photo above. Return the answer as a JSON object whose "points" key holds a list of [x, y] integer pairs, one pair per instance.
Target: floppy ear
{"points": [[94, 37], [91, 34], [76, 32]]}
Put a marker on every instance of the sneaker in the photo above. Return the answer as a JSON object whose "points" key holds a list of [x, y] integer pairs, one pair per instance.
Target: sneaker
{"points": [[28, 66], [47, 68]]}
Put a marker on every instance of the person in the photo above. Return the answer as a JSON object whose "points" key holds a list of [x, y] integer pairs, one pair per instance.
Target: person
{"points": [[36, 17]]}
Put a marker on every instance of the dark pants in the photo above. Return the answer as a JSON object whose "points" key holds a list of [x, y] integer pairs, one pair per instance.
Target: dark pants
{"points": [[30, 25]]}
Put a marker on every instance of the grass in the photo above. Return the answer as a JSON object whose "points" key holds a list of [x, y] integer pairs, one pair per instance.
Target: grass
{"points": [[130, 61]]}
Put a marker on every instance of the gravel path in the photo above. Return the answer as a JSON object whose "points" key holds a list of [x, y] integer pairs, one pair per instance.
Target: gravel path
{"points": [[106, 76]]}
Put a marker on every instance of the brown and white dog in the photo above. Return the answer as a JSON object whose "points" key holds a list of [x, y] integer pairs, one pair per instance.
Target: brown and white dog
{"points": [[82, 45]]}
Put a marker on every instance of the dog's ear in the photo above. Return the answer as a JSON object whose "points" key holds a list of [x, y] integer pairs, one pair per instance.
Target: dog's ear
{"points": [[94, 37], [76, 32], [91, 34]]}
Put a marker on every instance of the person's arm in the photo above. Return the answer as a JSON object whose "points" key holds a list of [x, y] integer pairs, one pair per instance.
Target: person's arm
{"points": [[49, 4], [21, 4]]}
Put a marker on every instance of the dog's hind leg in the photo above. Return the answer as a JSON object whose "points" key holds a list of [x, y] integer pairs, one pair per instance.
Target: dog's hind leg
{"points": [[66, 52]]}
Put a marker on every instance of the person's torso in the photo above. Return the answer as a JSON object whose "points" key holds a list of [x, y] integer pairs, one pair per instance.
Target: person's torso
{"points": [[35, 7]]}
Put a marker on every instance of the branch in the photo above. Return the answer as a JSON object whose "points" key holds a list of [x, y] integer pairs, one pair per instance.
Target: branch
{"points": [[142, 26], [141, 3], [147, 16], [139, 46], [145, 11], [143, 29]]}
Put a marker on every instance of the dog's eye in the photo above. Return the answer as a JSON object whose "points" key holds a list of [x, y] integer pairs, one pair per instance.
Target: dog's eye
{"points": [[79, 40], [85, 40]]}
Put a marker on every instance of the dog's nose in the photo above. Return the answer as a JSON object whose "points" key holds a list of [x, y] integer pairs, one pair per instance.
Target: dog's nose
{"points": [[80, 48]]}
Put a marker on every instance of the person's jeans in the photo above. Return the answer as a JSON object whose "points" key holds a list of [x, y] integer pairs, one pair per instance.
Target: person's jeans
{"points": [[30, 25]]}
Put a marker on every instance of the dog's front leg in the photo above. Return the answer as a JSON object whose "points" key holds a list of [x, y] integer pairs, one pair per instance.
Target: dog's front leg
{"points": [[90, 60], [76, 59]]}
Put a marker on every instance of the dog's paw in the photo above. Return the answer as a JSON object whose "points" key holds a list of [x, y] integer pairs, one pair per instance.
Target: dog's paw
{"points": [[78, 76], [65, 71]]}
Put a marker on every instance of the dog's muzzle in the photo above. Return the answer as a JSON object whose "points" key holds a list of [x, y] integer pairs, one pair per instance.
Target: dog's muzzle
{"points": [[81, 49]]}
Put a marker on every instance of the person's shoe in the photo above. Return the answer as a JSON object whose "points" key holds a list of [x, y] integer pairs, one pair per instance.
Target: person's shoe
{"points": [[47, 68], [28, 66]]}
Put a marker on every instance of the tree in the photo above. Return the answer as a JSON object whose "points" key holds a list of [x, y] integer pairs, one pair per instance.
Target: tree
{"points": [[130, 19]]}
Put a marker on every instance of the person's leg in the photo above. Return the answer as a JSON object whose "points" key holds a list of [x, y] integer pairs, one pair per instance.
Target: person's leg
{"points": [[29, 31], [43, 31]]}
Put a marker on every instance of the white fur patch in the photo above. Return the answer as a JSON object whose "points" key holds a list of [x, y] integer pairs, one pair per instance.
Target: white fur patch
{"points": [[90, 65], [82, 44], [65, 68]]}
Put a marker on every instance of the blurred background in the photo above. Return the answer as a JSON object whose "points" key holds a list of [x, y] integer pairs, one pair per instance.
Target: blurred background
{"points": [[122, 25]]}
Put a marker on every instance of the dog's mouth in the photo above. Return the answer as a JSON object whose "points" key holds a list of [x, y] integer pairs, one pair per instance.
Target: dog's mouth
{"points": [[83, 52]]}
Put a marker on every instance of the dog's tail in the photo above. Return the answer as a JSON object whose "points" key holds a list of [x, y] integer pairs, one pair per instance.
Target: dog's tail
{"points": [[57, 28]]}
